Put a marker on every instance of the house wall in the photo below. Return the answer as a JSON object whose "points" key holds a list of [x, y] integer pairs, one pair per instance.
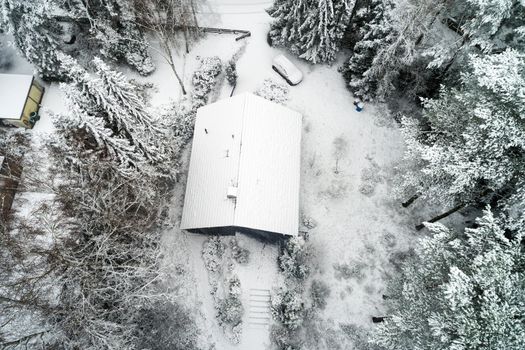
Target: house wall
{"points": [[14, 122], [34, 98]]}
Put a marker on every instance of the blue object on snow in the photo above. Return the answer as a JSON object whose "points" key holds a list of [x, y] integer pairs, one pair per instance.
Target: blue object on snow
{"points": [[359, 107]]}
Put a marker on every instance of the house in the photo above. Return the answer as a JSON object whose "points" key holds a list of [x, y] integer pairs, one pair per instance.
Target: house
{"points": [[20, 97], [244, 171]]}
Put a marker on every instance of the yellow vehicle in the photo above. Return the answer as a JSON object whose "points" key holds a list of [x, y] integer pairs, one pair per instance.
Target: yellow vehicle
{"points": [[20, 98]]}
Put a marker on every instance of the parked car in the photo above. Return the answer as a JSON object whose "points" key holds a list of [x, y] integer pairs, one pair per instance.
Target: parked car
{"points": [[287, 70]]}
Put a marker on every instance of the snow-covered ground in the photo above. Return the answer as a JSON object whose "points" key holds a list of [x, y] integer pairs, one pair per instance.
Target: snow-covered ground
{"points": [[352, 228]]}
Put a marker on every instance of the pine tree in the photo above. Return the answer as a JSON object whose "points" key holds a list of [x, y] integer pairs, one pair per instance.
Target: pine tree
{"points": [[112, 25], [313, 30], [399, 52], [374, 32], [109, 110], [459, 291], [36, 34], [83, 126], [483, 26], [474, 145]]}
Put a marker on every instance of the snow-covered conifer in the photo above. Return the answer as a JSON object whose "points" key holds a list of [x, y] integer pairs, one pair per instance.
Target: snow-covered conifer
{"points": [[111, 99], [474, 146], [459, 291], [374, 33], [36, 34], [482, 26], [313, 30], [113, 27], [84, 128]]}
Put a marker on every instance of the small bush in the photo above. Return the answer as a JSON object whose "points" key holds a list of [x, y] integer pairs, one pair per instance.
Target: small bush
{"points": [[231, 72], [135, 50], [294, 258], [388, 240], [309, 222], [204, 79], [284, 338], [180, 118], [337, 189], [239, 254], [346, 271], [230, 309], [142, 63], [288, 308], [369, 178], [319, 292], [367, 188], [212, 252], [273, 91]]}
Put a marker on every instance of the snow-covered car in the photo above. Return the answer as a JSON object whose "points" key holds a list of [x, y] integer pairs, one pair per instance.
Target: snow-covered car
{"points": [[287, 70]]}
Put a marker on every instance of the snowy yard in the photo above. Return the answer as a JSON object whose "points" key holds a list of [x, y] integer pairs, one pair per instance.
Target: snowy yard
{"points": [[354, 230]]}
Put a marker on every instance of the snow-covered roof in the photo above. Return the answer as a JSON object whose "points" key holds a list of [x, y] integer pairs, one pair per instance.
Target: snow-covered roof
{"points": [[253, 145], [14, 89]]}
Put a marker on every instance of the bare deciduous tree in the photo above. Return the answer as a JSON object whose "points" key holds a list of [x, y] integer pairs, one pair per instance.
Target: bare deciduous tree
{"points": [[165, 18]]}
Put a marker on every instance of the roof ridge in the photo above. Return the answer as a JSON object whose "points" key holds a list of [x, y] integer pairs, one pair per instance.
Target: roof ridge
{"points": [[240, 155]]}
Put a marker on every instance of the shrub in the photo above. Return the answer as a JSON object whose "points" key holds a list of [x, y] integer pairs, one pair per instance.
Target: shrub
{"points": [[204, 79], [367, 188], [284, 338], [345, 271], [309, 222], [212, 252], [337, 189], [239, 254], [182, 120], [294, 258], [273, 91], [231, 72], [319, 292], [288, 308], [230, 309]]}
